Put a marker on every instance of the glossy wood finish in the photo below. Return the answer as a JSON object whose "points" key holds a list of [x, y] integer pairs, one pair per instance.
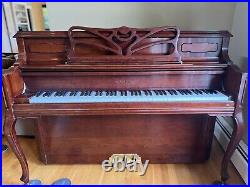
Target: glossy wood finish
{"points": [[51, 60], [125, 43], [12, 87], [90, 139], [211, 108], [123, 80], [236, 88], [42, 49]]}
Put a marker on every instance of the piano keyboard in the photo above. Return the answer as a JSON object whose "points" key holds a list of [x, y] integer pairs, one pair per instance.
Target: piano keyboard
{"points": [[87, 96]]}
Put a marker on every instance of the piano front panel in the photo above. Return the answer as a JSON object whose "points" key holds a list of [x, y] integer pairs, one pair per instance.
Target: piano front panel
{"points": [[36, 81], [158, 138]]}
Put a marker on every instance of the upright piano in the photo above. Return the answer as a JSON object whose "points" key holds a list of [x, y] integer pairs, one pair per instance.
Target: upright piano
{"points": [[94, 92]]}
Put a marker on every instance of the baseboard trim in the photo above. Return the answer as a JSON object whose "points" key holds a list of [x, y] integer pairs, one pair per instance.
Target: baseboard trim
{"points": [[223, 132]]}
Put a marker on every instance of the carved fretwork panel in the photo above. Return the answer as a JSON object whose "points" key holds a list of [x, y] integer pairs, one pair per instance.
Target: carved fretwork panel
{"points": [[123, 45]]}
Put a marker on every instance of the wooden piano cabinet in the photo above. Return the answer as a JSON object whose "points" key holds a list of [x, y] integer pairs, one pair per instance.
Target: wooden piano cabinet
{"points": [[119, 59], [157, 138]]}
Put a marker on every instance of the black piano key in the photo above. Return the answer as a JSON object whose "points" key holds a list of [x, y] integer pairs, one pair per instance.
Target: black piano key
{"points": [[156, 92], [170, 91], [57, 93], [205, 91], [195, 91], [185, 92], [164, 92], [45, 94], [139, 92], [48, 93], [115, 93], [39, 93], [149, 92], [189, 92], [181, 92], [125, 92], [213, 91], [175, 92], [63, 93], [72, 93], [97, 93], [82, 93], [209, 91], [145, 92], [199, 91], [160, 92]]}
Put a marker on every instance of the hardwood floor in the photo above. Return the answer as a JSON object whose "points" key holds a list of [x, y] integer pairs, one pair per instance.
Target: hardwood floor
{"points": [[204, 173]]}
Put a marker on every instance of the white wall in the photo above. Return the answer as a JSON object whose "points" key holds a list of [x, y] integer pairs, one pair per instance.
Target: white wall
{"points": [[188, 16], [238, 49], [6, 47], [7, 38]]}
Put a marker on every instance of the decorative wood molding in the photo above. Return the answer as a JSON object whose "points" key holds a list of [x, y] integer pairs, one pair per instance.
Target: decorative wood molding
{"points": [[124, 41]]}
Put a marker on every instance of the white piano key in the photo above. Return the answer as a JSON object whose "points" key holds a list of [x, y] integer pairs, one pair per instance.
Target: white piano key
{"points": [[92, 98]]}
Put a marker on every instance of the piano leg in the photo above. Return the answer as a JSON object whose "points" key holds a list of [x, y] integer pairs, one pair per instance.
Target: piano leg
{"points": [[235, 139], [10, 133]]}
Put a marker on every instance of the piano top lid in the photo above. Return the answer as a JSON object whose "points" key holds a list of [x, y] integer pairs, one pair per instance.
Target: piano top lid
{"points": [[64, 34]]}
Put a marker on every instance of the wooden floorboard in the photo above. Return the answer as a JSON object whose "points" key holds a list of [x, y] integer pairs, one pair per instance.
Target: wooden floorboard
{"points": [[204, 173]]}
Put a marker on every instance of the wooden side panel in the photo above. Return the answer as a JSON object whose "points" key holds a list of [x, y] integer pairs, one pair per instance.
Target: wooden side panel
{"points": [[159, 138], [235, 83], [13, 85]]}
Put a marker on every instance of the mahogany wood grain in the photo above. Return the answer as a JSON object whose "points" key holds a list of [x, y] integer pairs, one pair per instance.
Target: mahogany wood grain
{"points": [[158, 138], [12, 87], [236, 87], [123, 80], [40, 48], [211, 108], [123, 58]]}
